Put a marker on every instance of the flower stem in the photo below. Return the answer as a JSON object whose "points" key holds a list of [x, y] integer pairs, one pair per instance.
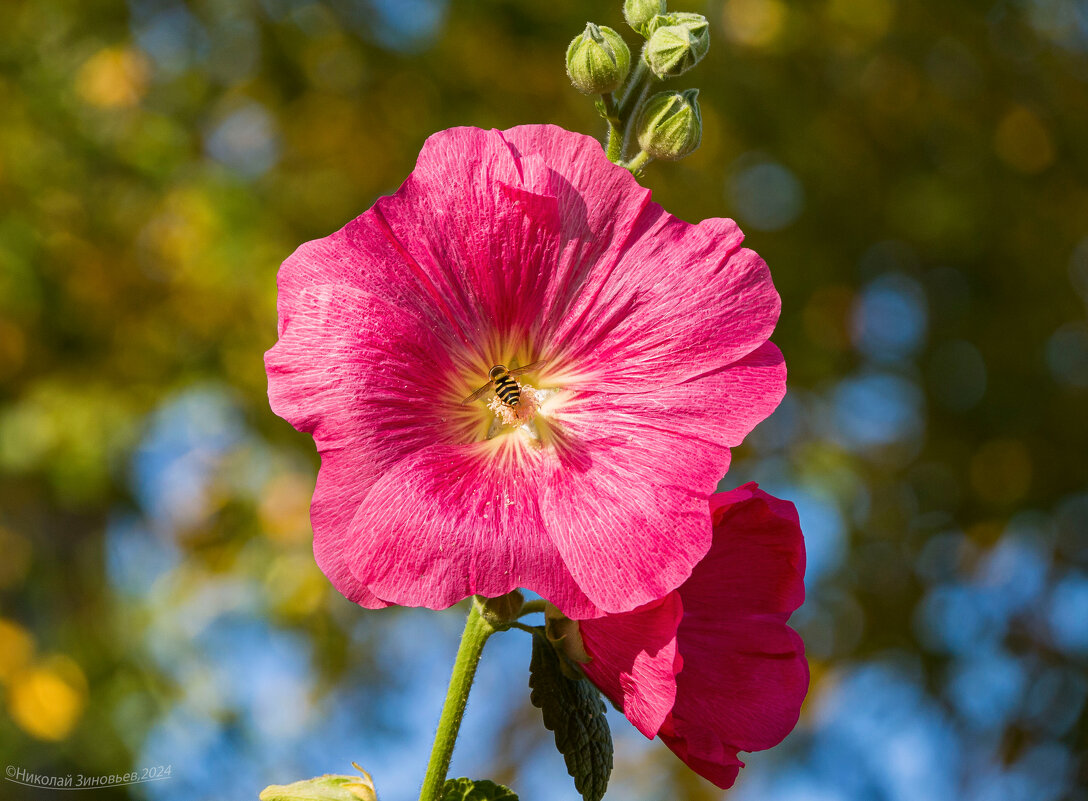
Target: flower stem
{"points": [[614, 150], [636, 85], [477, 630], [533, 607], [641, 159], [608, 109]]}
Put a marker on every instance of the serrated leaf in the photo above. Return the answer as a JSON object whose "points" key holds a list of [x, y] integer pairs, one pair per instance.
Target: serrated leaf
{"points": [[476, 790], [574, 712]]}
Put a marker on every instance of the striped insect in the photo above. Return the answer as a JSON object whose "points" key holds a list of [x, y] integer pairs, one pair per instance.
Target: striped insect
{"points": [[502, 380]]}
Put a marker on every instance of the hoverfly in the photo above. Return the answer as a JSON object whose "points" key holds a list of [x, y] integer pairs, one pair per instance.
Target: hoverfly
{"points": [[508, 390]]}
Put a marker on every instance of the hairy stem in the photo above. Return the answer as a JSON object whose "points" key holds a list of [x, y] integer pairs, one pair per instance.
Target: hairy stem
{"points": [[641, 159], [636, 84], [477, 630]]}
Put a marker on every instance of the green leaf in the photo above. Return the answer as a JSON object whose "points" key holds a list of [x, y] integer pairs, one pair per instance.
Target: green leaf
{"points": [[329, 787], [574, 711], [321, 788], [476, 790]]}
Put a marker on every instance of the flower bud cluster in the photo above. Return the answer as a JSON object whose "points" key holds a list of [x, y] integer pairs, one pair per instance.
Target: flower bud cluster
{"points": [[666, 125]]}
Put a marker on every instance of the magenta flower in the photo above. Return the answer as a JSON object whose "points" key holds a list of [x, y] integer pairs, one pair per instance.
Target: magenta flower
{"points": [[510, 248], [712, 668]]}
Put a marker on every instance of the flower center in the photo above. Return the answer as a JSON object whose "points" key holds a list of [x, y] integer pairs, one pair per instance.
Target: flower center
{"points": [[508, 409]]}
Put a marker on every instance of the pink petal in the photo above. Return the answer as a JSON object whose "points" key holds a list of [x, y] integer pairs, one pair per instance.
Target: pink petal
{"points": [[745, 673], [347, 365], [642, 298], [341, 483], [481, 231], [722, 770], [335, 372], [599, 205], [452, 521], [649, 462], [465, 246], [682, 300], [635, 660]]}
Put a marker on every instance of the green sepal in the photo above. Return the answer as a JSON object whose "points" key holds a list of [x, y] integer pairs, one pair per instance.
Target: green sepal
{"points": [[476, 790], [573, 710], [639, 13]]}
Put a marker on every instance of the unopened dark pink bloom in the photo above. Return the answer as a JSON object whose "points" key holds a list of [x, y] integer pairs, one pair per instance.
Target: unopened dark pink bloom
{"points": [[713, 668], [510, 248]]}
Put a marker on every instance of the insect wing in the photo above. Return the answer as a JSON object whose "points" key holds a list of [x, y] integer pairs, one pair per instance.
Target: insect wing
{"points": [[477, 394], [526, 368]]}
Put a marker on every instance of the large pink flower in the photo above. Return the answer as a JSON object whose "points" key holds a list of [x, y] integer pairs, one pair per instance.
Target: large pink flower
{"points": [[512, 247], [712, 668]]}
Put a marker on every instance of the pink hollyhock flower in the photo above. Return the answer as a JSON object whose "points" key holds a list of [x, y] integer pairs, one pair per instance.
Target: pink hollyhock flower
{"points": [[511, 248], [712, 668]]}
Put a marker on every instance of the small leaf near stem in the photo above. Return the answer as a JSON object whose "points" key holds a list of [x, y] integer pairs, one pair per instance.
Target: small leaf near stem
{"points": [[477, 630], [476, 790]]}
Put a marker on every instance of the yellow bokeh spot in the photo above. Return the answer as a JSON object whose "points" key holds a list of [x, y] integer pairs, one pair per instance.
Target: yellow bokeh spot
{"points": [[295, 586], [754, 23], [1001, 471], [47, 699], [284, 508], [179, 237], [115, 77], [16, 649], [867, 19], [1023, 142]]}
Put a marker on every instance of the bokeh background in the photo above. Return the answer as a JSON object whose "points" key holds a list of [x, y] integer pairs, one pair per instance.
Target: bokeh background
{"points": [[916, 175]]}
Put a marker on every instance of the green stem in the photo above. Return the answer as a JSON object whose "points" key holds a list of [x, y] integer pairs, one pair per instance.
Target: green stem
{"points": [[522, 627], [614, 150], [477, 630], [532, 607], [636, 164], [607, 108], [636, 85], [635, 93]]}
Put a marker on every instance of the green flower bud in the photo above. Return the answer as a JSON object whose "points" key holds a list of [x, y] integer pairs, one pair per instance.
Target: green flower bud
{"points": [[639, 12], [324, 788], [696, 23], [677, 43], [598, 60], [670, 125]]}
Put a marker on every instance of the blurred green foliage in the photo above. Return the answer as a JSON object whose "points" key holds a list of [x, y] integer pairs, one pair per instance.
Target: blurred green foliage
{"points": [[914, 173]]}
